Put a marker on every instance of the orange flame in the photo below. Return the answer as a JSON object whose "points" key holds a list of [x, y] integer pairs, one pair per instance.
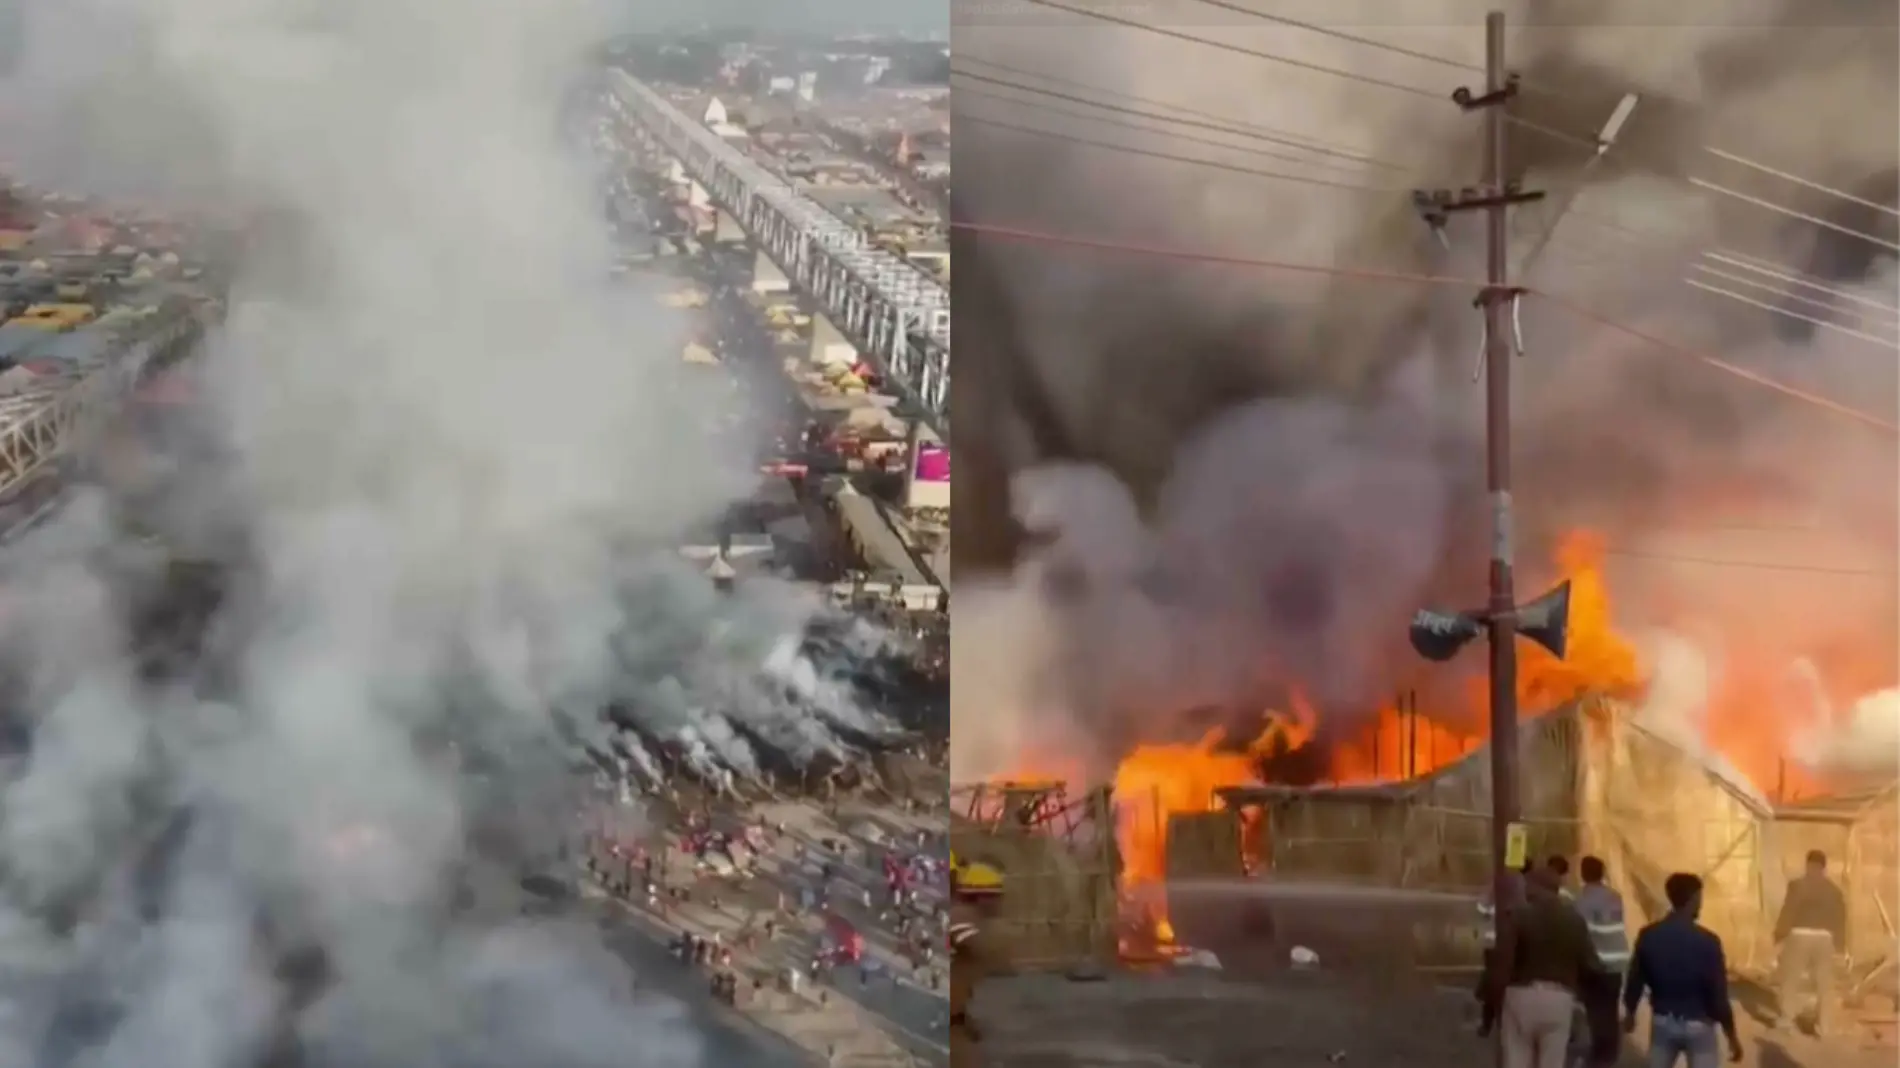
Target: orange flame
{"points": [[1156, 781], [1159, 780]]}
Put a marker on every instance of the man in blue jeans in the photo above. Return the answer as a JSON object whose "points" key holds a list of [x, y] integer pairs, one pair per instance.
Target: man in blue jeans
{"points": [[1681, 966]]}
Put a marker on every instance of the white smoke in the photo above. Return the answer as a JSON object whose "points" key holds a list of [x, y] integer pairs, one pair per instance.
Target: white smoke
{"points": [[1863, 738], [462, 456], [1676, 702]]}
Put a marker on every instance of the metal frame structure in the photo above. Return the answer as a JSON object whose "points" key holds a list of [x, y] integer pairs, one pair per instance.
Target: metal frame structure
{"points": [[1042, 806], [57, 417], [896, 315]]}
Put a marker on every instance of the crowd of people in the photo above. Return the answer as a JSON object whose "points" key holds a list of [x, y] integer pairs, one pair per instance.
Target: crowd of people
{"points": [[800, 908], [1563, 982]]}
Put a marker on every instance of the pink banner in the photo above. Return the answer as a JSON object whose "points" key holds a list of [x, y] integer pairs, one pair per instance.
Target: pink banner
{"points": [[933, 463]]}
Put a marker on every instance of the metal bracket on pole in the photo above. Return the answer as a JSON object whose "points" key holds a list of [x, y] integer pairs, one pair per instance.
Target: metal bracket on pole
{"points": [[1486, 297], [1435, 207], [1465, 99]]}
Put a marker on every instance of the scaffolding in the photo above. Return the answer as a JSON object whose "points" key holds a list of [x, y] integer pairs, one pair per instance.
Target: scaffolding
{"points": [[1057, 854]]}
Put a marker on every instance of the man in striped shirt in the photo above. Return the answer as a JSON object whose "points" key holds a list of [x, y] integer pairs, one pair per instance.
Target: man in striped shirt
{"points": [[1602, 910]]}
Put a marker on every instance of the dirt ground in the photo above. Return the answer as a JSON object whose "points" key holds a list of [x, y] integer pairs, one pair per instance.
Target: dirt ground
{"points": [[1196, 1019]]}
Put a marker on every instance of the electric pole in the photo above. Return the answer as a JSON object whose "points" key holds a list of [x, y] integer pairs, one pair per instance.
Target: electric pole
{"points": [[1497, 301]]}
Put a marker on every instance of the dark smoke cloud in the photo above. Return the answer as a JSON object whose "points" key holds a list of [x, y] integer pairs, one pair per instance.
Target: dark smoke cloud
{"points": [[1073, 355]]}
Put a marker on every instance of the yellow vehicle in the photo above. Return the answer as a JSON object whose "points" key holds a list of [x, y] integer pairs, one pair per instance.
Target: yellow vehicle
{"points": [[55, 318]]}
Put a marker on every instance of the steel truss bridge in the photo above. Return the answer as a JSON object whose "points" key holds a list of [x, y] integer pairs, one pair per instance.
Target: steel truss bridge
{"points": [[896, 316], [58, 417]]}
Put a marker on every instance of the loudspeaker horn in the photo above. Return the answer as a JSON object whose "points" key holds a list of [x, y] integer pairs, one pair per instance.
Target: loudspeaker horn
{"points": [[1546, 620], [1438, 636]]}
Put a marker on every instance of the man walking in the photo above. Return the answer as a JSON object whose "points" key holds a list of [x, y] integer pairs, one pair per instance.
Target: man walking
{"points": [[1544, 958], [1810, 930], [1602, 911], [1680, 965]]}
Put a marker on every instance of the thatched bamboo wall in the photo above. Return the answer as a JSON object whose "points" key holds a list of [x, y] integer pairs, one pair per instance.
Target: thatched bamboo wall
{"points": [[1061, 907], [1650, 808], [1591, 782], [1860, 833]]}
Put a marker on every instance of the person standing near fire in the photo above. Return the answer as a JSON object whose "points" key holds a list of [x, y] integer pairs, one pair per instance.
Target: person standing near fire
{"points": [[1810, 931], [977, 892], [1602, 910], [1680, 967], [1489, 916], [1544, 959]]}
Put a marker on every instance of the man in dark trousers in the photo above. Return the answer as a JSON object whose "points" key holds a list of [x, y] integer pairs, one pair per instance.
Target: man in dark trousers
{"points": [[1602, 910], [1810, 930], [1490, 914], [1680, 965], [1544, 959]]}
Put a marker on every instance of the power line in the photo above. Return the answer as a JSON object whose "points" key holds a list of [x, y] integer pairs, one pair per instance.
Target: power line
{"points": [[1782, 274], [1787, 274], [1385, 46], [1576, 308], [1224, 123], [1848, 331], [1373, 274], [1225, 46], [1800, 181], [1738, 371], [1109, 120], [1769, 287], [1594, 144], [1703, 183], [1217, 127], [1231, 168], [1340, 35], [1317, 146], [1756, 565], [1775, 309]]}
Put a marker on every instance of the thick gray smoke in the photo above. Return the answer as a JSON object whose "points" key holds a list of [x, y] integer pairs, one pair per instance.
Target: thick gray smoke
{"points": [[1075, 355], [460, 460]]}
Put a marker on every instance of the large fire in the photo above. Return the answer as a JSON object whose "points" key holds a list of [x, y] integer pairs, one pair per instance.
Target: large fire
{"points": [[1155, 781]]}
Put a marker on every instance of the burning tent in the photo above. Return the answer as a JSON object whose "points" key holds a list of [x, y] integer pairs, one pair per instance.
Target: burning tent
{"points": [[1594, 780]]}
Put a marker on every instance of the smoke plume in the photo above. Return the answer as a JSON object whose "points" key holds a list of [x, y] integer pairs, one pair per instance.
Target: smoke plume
{"points": [[1077, 356], [456, 460]]}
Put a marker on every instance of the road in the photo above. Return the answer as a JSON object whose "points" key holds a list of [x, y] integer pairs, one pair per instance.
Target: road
{"points": [[1203, 1020]]}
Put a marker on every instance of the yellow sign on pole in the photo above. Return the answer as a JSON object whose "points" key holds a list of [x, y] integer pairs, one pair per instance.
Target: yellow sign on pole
{"points": [[1517, 846]]}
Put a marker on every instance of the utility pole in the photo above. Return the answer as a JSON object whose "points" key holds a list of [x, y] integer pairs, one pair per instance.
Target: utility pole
{"points": [[1499, 87], [1497, 300]]}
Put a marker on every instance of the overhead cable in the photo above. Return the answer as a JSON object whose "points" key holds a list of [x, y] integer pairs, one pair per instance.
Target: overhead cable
{"points": [[1218, 165], [1232, 129], [1111, 120], [1582, 310]]}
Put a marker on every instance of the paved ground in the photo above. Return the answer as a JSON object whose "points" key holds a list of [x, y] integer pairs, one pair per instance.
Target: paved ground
{"points": [[1201, 1020], [891, 1013]]}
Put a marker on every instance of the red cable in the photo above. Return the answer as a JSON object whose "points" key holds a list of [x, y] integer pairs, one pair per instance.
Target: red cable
{"points": [[1190, 256]]}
